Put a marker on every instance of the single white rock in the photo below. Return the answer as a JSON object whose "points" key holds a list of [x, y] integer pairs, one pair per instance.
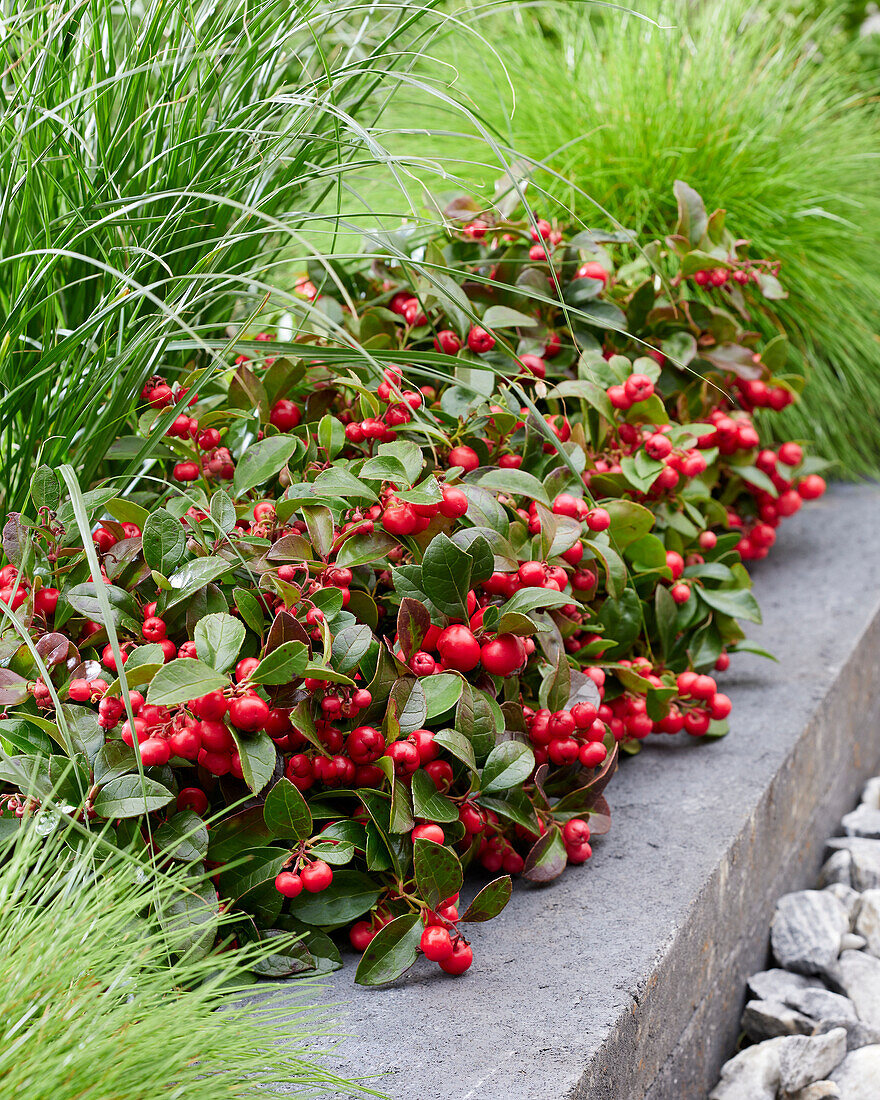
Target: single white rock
{"points": [[863, 821], [871, 793], [868, 921], [858, 1075], [864, 870], [847, 897], [857, 974], [752, 1075], [837, 869], [767, 1019], [804, 1059], [777, 984], [807, 929], [819, 1090]]}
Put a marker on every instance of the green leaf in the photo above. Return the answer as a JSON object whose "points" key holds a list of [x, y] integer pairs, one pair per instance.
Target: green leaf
{"points": [[319, 521], [350, 645], [408, 700], [189, 919], [458, 745], [413, 622], [386, 469], [349, 896], [391, 952], [192, 578], [739, 603], [183, 837], [629, 521], [442, 692], [219, 638], [622, 621], [13, 688], [83, 598], [497, 317], [86, 735], [427, 801], [528, 600], [547, 859], [446, 575], [476, 719], [615, 569], [556, 686], [45, 489], [114, 759], [24, 737], [262, 461], [164, 541], [250, 609], [131, 796], [184, 679], [666, 613], [490, 900], [281, 666], [362, 549], [222, 511], [254, 868], [509, 765], [258, 756], [286, 812], [516, 483], [437, 871], [409, 454]]}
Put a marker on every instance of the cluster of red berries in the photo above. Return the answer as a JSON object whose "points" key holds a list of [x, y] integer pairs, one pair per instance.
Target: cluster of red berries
{"points": [[15, 589]]}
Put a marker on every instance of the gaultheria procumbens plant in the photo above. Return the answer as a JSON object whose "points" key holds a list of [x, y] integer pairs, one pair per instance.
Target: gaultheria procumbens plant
{"points": [[394, 594]]}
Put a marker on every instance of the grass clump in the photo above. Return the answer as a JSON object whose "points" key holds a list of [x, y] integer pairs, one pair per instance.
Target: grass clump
{"points": [[96, 1003]]}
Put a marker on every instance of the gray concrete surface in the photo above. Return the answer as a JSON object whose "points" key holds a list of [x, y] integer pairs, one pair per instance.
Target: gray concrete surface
{"points": [[624, 979]]}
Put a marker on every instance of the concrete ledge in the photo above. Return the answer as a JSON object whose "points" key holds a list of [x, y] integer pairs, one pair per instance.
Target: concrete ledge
{"points": [[624, 980]]}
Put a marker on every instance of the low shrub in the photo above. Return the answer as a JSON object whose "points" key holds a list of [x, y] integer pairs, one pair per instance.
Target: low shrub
{"points": [[395, 629]]}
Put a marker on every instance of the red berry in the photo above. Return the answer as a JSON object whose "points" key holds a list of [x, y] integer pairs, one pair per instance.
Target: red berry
{"points": [[249, 712], [598, 519], [592, 754], [460, 959], [459, 649], [405, 756], [447, 341], [811, 487], [46, 600], [360, 934], [592, 269], [155, 752], [454, 503], [503, 656], [436, 943], [681, 593], [289, 884], [463, 456], [790, 454], [479, 340], [192, 798], [675, 563], [317, 876], [575, 832], [285, 415], [638, 387], [400, 519], [212, 705], [429, 832]]}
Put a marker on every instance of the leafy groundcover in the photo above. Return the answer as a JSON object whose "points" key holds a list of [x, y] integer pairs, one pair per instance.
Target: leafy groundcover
{"points": [[389, 598]]}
